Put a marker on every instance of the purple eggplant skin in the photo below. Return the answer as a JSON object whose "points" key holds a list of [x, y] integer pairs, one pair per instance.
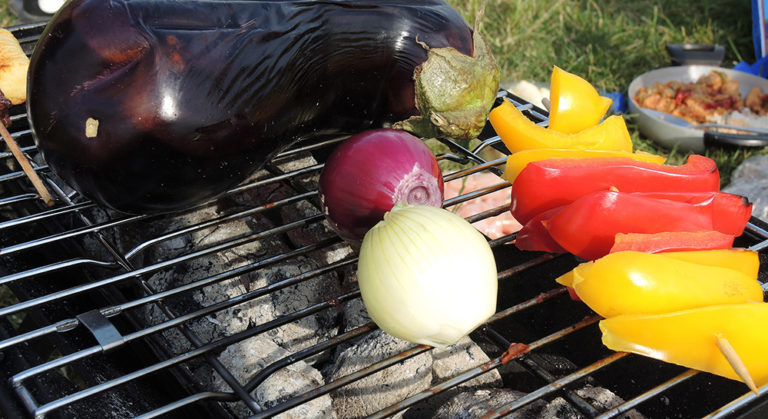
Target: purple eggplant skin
{"points": [[154, 106]]}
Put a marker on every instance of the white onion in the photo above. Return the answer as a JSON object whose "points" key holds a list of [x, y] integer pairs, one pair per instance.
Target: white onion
{"points": [[426, 275]]}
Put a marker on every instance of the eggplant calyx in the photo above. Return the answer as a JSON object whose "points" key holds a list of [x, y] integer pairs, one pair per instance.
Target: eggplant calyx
{"points": [[454, 92]]}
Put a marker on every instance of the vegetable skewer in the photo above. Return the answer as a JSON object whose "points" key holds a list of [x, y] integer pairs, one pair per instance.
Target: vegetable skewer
{"points": [[736, 363], [26, 166]]}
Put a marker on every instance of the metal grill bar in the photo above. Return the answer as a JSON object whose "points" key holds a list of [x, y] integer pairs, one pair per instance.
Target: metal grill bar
{"points": [[68, 235], [43, 215], [217, 221], [54, 268], [20, 174], [269, 369], [8, 154], [18, 198], [461, 378], [60, 362], [630, 404], [120, 286], [734, 406], [152, 268], [554, 386], [484, 368], [178, 320], [201, 351], [360, 374], [195, 398]]}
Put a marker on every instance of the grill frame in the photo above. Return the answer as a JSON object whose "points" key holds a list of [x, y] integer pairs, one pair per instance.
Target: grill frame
{"points": [[98, 334]]}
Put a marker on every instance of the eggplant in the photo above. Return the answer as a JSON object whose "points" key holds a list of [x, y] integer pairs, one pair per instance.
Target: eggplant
{"points": [[154, 106]]}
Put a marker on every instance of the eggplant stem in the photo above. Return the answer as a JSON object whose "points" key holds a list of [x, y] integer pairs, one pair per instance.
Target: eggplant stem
{"points": [[422, 43], [736, 363], [26, 166]]}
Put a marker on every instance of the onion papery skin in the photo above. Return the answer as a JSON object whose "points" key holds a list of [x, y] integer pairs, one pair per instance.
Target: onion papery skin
{"points": [[369, 172], [426, 275]]}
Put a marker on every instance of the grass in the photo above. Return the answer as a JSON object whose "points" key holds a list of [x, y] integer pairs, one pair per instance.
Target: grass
{"points": [[6, 18], [610, 42]]}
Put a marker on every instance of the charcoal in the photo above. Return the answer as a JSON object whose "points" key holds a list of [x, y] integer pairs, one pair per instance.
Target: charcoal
{"points": [[255, 311], [600, 398], [402, 380], [560, 408], [381, 389], [476, 403], [448, 363], [314, 232], [247, 358], [355, 314], [463, 355], [604, 399]]}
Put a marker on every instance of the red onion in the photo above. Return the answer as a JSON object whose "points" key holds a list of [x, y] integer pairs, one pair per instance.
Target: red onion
{"points": [[369, 172]]}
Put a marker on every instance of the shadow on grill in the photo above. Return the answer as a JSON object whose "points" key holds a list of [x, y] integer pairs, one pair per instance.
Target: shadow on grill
{"points": [[248, 306]]}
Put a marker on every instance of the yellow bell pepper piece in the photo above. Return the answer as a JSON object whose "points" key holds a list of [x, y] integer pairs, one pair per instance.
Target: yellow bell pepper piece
{"points": [[517, 162], [575, 105], [743, 260], [643, 283], [519, 133], [689, 337]]}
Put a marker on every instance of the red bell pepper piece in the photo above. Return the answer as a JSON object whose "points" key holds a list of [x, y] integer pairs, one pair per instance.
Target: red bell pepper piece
{"points": [[672, 241], [587, 227], [534, 236], [551, 183]]}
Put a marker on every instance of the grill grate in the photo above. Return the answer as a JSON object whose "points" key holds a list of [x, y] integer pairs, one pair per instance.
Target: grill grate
{"points": [[96, 317]]}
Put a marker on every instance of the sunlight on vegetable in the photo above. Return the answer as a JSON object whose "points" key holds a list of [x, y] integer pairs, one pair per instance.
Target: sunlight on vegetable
{"points": [[369, 172], [693, 338], [520, 133], [426, 275], [643, 283], [575, 103]]}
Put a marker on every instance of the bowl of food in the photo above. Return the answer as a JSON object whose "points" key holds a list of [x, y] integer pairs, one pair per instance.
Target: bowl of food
{"points": [[722, 107]]}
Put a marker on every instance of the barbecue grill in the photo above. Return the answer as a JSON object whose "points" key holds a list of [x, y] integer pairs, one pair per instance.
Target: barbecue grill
{"points": [[110, 315]]}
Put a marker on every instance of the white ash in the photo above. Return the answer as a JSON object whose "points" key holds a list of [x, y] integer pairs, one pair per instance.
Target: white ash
{"points": [[314, 232], [404, 379], [450, 362], [294, 336], [560, 408], [476, 403], [244, 359], [604, 399], [453, 360], [355, 314], [298, 162], [248, 357], [443, 364], [381, 389], [600, 398]]}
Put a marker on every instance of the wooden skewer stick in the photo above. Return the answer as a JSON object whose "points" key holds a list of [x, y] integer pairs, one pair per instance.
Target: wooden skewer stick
{"points": [[28, 170], [736, 363]]}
